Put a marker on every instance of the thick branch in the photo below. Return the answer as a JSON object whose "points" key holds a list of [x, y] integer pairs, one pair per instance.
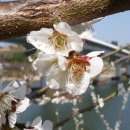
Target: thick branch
{"points": [[19, 18]]}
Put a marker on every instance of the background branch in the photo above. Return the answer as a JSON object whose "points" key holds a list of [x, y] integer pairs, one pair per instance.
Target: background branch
{"points": [[20, 17], [90, 108]]}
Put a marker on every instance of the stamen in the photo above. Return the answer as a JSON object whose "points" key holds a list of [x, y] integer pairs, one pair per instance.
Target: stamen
{"points": [[5, 102], [53, 66], [77, 66], [58, 40]]}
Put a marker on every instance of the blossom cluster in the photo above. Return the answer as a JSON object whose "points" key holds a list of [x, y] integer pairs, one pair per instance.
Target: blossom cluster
{"points": [[12, 102], [60, 61], [38, 125]]}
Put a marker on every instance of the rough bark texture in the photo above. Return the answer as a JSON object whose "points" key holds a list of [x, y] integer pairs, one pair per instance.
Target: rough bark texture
{"points": [[19, 18]]}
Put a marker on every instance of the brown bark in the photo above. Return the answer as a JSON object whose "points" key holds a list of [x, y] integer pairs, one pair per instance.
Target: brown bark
{"points": [[19, 18]]}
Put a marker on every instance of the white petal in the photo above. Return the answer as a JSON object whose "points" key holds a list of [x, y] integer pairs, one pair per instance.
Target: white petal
{"points": [[75, 42], [39, 39], [101, 102], [15, 90], [79, 88], [12, 119], [48, 125], [22, 105], [63, 28], [62, 62], [43, 62], [37, 122], [27, 124], [57, 78], [19, 93], [86, 34], [52, 83], [2, 119], [94, 53], [96, 66], [11, 86]]}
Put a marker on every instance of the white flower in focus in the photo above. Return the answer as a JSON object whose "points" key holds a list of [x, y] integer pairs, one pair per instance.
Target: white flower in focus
{"points": [[37, 125], [47, 63], [76, 76], [72, 73], [61, 40]]}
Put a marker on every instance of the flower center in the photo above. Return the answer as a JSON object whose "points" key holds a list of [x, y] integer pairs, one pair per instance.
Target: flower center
{"points": [[58, 40], [77, 66]]}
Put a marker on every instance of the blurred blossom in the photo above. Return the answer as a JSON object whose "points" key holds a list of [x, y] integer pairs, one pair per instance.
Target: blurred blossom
{"points": [[100, 102], [97, 100], [43, 100], [12, 101], [121, 89], [38, 125]]}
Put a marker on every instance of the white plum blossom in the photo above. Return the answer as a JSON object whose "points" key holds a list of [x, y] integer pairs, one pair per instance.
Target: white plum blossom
{"points": [[11, 100], [75, 78], [60, 40], [71, 73], [38, 125], [48, 63]]}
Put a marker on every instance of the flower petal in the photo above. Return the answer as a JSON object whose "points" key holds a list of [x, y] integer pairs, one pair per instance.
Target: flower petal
{"points": [[37, 122], [62, 62], [19, 93], [15, 89], [80, 87], [96, 66], [94, 53], [63, 28], [48, 125], [39, 39], [57, 78], [12, 119], [43, 62], [52, 83], [22, 105], [11, 86], [2, 119], [27, 124], [75, 42], [87, 33]]}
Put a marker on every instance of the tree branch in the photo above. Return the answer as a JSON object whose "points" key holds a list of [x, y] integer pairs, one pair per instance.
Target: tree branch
{"points": [[20, 17]]}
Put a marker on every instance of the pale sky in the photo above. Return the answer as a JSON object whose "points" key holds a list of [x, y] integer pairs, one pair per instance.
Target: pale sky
{"points": [[114, 27]]}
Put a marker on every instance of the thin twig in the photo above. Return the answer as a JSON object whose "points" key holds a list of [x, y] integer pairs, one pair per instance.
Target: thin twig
{"points": [[83, 110], [115, 51]]}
